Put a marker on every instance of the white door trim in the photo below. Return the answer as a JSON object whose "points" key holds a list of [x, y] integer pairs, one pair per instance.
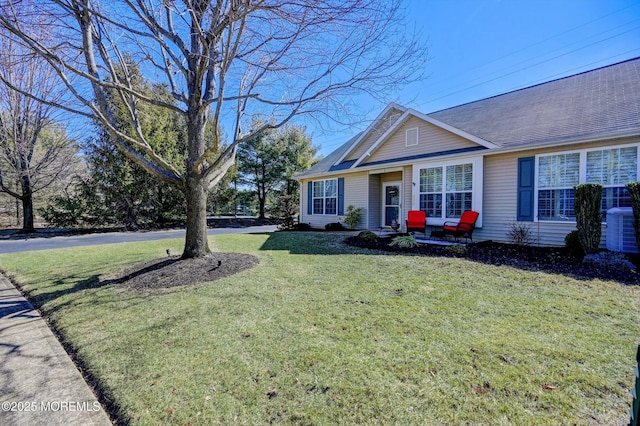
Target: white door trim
{"points": [[384, 201]]}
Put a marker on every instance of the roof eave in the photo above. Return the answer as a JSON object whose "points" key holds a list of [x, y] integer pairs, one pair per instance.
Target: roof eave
{"points": [[569, 142], [552, 144]]}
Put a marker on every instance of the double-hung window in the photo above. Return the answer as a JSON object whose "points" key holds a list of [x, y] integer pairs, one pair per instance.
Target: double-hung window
{"points": [[613, 168], [446, 191], [459, 189], [325, 196], [559, 173], [431, 191]]}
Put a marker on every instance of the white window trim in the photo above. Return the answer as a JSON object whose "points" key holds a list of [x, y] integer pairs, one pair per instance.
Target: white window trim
{"points": [[476, 190], [417, 140], [324, 197], [582, 172]]}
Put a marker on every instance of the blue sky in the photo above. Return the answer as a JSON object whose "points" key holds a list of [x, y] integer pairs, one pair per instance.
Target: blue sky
{"points": [[481, 48]]}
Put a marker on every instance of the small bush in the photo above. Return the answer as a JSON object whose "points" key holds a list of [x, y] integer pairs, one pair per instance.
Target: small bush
{"points": [[404, 241], [572, 243], [335, 226], [288, 223], [456, 249], [367, 236], [519, 234], [610, 260], [352, 216], [301, 227]]}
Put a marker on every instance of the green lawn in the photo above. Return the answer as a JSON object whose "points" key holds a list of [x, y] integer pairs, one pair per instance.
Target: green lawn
{"points": [[319, 333]]}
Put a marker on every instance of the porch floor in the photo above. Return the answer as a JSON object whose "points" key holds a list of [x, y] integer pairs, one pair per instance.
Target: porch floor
{"points": [[439, 242]]}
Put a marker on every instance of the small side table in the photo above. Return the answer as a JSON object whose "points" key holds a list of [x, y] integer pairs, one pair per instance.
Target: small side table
{"points": [[437, 234]]}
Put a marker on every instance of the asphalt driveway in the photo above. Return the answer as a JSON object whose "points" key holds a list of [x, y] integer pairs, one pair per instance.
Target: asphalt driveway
{"points": [[29, 244]]}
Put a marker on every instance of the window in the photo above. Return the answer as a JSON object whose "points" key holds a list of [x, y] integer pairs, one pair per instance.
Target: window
{"points": [[613, 168], [452, 183], [431, 191], [459, 187], [558, 173], [325, 196]]}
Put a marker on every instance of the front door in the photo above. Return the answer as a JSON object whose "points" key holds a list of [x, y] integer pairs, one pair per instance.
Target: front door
{"points": [[391, 203]]}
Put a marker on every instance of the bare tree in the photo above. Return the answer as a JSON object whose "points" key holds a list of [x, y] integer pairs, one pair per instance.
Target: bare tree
{"points": [[224, 62], [34, 152]]}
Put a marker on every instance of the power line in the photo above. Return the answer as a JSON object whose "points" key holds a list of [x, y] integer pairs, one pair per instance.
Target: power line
{"points": [[446, 92], [536, 63], [572, 70], [562, 33], [529, 67]]}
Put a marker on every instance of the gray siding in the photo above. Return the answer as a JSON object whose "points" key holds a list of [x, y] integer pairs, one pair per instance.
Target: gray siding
{"points": [[500, 198], [375, 202], [355, 193], [499, 207]]}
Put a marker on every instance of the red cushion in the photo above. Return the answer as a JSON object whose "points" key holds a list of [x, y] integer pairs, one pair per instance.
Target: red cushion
{"points": [[416, 219]]}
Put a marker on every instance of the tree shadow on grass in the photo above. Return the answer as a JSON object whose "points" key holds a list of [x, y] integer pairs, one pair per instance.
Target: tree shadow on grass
{"points": [[157, 274]]}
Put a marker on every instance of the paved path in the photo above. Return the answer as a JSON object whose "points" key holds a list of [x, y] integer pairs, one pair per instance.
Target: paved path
{"points": [[13, 246], [39, 384]]}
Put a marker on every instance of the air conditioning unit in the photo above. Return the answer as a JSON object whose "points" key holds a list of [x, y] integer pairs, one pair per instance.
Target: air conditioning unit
{"points": [[620, 233]]}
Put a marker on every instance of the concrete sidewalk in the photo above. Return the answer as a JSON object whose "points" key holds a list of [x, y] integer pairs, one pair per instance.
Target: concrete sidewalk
{"points": [[39, 384]]}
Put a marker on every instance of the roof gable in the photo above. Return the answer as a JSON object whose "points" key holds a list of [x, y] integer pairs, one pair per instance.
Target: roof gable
{"points": [[398, 130], [369, 135]]}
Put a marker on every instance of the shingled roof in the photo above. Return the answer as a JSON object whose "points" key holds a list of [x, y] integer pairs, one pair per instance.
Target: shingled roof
{"points": [[601, 103], [595, 105]]}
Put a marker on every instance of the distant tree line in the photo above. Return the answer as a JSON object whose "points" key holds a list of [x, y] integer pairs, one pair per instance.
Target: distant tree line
{"points": [[116, 192], [36, 153]]}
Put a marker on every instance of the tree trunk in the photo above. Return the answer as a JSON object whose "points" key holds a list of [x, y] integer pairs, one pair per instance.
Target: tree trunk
{"points": [[261, 203], [27, 214], [196, 242], [132, 217], [27, 205]]}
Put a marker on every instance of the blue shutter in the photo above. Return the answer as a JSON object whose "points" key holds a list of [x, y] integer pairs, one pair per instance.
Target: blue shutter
{"points": [[309, 197], [340, 196], [526, 175]]}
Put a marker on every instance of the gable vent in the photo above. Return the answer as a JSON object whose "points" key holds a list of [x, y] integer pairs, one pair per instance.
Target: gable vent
{"points": [[412, 137], [394, 117]]}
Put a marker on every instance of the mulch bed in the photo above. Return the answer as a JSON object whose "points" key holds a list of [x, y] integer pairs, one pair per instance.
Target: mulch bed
{"points": [[558, 260], [173, 271]]}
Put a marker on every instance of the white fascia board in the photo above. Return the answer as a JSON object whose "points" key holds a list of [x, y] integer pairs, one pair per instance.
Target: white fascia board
{"points": [[368, 130], [562, 144]]}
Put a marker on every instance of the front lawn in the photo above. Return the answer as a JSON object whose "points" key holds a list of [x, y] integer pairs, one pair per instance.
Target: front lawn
{"points": [[323, 333]]}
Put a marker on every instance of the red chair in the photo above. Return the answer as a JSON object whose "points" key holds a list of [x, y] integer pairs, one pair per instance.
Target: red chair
{"points": [[464, 227], [417, 221]]}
